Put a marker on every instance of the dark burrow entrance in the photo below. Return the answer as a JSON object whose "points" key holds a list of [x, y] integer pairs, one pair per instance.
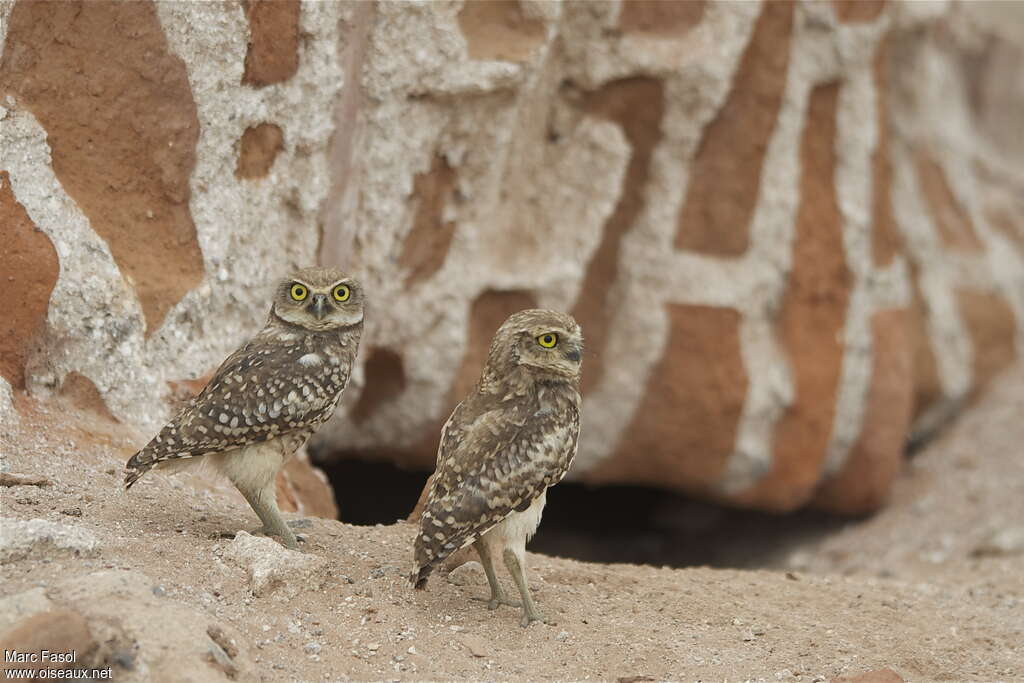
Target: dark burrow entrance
{"points": [[608, 524]]}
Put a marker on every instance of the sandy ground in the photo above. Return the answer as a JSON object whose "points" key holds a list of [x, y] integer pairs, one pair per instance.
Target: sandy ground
{"points": [[931, 588]]}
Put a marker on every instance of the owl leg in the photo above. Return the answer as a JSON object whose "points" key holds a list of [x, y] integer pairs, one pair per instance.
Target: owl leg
{"points": [[264, 504], [516, 563], [497, 592], [253, 471]]}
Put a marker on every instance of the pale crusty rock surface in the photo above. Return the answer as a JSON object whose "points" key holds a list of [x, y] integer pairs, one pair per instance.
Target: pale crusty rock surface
{"points": [[39, 539], [905, 590], [271, 566], [130, 625], [19, 606], [792, 232]]}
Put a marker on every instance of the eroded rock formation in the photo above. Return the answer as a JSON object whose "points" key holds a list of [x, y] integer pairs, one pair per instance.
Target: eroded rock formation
{"points": [[792, 231]]}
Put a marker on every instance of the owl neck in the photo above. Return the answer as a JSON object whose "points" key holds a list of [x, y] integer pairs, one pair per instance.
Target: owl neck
{"points": [[524, 379], [276, 323]]}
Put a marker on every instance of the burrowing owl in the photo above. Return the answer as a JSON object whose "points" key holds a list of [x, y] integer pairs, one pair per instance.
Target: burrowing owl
{"points": [[503, 446], [270, 395]]}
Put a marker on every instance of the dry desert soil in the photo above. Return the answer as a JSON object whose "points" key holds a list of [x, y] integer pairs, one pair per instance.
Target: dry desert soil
{"points": [[930, 589]]}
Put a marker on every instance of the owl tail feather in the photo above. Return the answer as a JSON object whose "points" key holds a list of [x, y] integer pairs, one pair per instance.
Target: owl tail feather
{"points": [[134, 470], [418, 578]]}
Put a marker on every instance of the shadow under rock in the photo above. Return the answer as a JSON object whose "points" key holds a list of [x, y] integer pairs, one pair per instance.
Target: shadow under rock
{"points": [[608, 524]]}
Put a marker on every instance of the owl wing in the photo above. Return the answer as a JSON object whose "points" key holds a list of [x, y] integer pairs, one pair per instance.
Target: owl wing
{"points": [[452, 434], [488, 468], [256, 394]]}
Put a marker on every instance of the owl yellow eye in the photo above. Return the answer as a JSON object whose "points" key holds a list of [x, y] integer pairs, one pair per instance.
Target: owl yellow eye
{"points": [[299, 292], [342, 293], [548, 341]]}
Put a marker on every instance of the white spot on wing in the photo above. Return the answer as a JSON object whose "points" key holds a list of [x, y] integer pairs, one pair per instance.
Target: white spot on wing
{"points": [[311, 359]]}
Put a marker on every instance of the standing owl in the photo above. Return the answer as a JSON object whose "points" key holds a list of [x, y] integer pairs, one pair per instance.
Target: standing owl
{"points": [[270, 395], [503, 446]]}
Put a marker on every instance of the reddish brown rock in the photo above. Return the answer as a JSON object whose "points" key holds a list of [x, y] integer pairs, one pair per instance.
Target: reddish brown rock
{"points": [[991, 69], [862, 484], [498, 30], [301, 488], [657, 17], [82, 393], [183, 390], [343, 166], [952, 221], [385, 380], [121, 123], [1000, 219], [58, 631], [273, 54], [812, 319], [928, 388], [488, 312], [426, 245], [857, 11], [13, 479], [637, 105], [1002, 203], [693, 401], [725, 177], [257, 150], [885, 235], [117, 153], [992, 327], [421, 502], [28, 274], [875, 676]]}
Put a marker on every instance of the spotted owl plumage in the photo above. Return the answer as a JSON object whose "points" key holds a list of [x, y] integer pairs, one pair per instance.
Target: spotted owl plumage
{"points": [[277, 383], [274, 391], [511, 439]]}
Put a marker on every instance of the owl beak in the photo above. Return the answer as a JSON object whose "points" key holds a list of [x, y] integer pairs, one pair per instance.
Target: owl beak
{"points": [[573, 354], [319, 306]]}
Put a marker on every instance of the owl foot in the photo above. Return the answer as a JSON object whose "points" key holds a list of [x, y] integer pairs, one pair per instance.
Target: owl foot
{"points": [[532, 614], [516, 569], [289, 540], [262, 531], [494, 601], [264, 503], [530, 617]]}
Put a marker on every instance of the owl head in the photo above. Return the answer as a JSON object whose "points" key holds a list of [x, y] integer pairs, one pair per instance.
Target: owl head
{"points": [[539, 340], [318, 299]]}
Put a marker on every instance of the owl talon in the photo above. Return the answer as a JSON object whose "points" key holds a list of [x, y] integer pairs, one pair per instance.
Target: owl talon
{"points": [[494, 601], [529, 619], [291, 544], [262, 531], [288, 540]]}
